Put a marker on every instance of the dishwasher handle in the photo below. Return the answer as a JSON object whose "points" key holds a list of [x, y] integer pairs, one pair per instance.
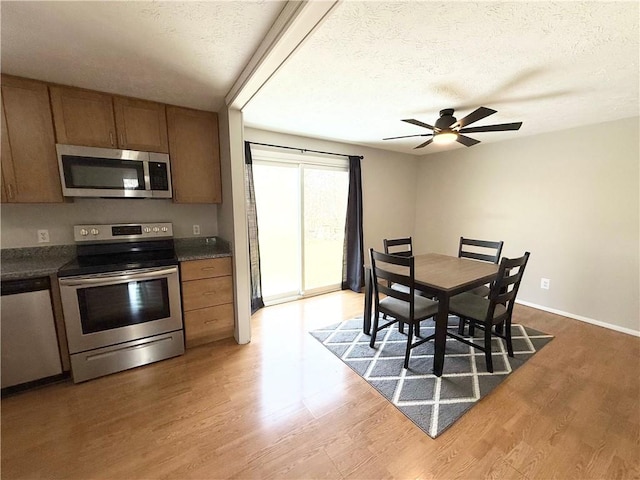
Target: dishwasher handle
{"points": [[24, 285]]}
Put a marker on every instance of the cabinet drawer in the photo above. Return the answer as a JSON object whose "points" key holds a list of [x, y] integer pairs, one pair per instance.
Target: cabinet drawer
{"points": [[208, 324], [208, 268], [206, 293]]}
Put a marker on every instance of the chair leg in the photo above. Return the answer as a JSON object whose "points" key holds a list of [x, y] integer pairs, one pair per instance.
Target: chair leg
{"points": [[507, 336], [499, 327], [417, 329], [400, 326], [461, 326], [409, 342], [487, 347], [472, 329], [374, 328]]}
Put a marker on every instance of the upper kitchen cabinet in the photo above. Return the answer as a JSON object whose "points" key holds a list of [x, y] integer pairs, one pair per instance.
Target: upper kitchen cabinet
{"points": [[195, 155], [83, 117], [95, 119], [141, 125], [29, 161]]}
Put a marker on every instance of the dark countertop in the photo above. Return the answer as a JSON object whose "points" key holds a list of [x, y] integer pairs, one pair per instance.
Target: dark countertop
{"points": [[201, 248], [18, 263]]}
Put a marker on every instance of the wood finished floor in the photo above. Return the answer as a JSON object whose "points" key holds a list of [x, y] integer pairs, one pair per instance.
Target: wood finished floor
{"points": [[284, 407]]}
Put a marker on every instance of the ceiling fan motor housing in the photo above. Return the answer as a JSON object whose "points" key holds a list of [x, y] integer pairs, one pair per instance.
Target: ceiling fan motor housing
{"points": [[446, 119]]}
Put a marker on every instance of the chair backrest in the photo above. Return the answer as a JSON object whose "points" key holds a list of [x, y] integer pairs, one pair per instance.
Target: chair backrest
{"points": [[484, 250], [393, 269], [398, 246], [505, 287]]}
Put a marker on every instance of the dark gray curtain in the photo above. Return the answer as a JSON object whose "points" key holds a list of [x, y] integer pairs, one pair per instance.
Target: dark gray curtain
{"points": [[252, 226], [353, 261]]}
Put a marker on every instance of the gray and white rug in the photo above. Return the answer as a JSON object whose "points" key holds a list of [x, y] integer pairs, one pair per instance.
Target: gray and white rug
{"points": [[432, 403]]}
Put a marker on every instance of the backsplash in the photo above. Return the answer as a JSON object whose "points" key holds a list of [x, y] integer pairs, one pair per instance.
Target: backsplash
{"points": [[20, 222]]}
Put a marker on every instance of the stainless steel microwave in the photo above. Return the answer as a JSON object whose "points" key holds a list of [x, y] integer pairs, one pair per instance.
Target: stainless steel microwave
{"points": [[107, 172]]}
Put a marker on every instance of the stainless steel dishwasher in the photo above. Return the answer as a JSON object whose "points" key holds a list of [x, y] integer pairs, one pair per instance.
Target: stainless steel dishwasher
{"points": [[30, 350]]}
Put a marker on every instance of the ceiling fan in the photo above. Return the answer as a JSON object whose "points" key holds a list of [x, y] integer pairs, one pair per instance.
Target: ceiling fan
{"points": [[448, 129]]}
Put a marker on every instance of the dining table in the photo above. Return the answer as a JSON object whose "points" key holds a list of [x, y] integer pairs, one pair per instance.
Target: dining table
{"points": [[440, 276]]}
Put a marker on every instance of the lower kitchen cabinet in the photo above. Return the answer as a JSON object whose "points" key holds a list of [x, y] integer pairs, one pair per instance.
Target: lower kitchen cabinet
{"points": [[207, 300]]}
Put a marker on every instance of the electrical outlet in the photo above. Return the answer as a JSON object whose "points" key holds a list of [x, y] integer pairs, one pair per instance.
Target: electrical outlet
{"points": [[196, 229], [544, 283], [43, 236]]}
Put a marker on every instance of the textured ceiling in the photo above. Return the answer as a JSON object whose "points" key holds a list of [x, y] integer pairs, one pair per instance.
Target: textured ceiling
{"points": [[552, 65], [183, 53]]}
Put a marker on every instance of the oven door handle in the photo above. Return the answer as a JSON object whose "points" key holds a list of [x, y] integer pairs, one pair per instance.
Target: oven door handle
{"points": [[118, 278]]}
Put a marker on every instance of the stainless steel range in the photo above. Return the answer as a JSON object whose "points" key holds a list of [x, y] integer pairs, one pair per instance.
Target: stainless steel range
{"points": [[121, 298]]}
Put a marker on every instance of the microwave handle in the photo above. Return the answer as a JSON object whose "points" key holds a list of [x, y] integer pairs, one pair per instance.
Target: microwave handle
{"points": [[74, 282]]}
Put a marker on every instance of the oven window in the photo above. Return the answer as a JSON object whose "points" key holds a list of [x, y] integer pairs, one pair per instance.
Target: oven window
{"points": [[114, 306], [107, 173]]}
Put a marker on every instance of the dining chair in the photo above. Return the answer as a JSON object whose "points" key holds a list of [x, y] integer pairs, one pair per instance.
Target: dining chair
{"points": [[398, 246], [403, 306], [483, 250], [490, 313]]}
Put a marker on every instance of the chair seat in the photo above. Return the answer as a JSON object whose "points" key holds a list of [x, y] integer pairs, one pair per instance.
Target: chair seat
{"points": [[423, 307], [403, 288], [481, 291], [473, 306], [400, 288]]}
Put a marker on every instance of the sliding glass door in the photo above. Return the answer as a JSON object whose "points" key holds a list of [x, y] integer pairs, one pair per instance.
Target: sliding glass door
{"points": [[301, 206]]}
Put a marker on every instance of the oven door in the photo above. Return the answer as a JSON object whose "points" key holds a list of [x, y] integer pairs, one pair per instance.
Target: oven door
{"points": [[111, 308]]}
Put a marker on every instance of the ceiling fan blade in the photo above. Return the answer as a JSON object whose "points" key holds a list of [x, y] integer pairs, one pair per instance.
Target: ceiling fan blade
{"points": [[418, 123], [424, 144], [467, 141], [477, 114], [502, 127], [408, 136]]}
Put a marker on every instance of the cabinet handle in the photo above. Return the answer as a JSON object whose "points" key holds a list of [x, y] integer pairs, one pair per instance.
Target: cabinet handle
{"points": [[10, 187], [122, 142], [111, 138]]}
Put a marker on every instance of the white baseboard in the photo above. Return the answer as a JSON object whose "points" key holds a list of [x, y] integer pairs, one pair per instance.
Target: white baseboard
{"points": [[610, 326]]}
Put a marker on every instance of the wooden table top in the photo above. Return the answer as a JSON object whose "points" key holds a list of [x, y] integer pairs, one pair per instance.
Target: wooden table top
{"points": [[447, 273]]}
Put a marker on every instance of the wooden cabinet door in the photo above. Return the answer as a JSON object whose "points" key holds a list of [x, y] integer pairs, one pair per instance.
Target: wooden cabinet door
{"points": [[29, 161], [141, 125], [83, 117], [195, 155]]}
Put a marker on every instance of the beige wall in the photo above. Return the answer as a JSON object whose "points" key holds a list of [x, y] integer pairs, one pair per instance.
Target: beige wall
{"points": [[388, 184], [20, 222], [571, 198]]}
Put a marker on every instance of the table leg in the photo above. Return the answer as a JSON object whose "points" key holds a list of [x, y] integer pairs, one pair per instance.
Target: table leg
{"points": [[442, 319], [368, 287]]}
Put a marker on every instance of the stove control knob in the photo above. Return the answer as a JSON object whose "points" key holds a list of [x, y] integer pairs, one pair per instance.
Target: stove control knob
{"points": [[95, 231], [156, 229], [84, 232], [164, 229], [147, 229]]}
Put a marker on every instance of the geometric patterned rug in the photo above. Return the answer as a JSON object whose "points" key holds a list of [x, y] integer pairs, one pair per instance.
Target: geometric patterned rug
{"points": [[432, 403]]}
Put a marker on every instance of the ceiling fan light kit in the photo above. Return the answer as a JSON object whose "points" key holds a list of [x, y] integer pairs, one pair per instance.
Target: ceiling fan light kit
{"points": [[448, 129], [444, 137]]}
